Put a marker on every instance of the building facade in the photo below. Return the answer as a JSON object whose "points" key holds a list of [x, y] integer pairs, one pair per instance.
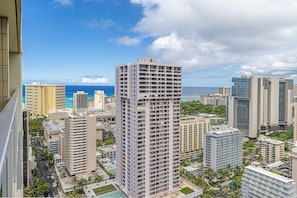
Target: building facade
{"points": [[216, 99], [108, 151], [80, 143], [295, 125], [192, 130], [260, 104], [293, 164], [226, 91], [99, 99], [80, 101], [222, 148], [147, 122], [271, 150], [11, 129], [52, 131], [41, 98], [213, 99], [260, 183]]}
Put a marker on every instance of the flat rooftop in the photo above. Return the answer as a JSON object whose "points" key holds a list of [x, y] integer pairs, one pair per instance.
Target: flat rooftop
{"points": [[269, 174], [89, 190], [272, 141]]}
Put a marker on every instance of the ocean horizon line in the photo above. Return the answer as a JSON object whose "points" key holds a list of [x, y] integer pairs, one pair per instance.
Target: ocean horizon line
{"points": [[100, 85]]}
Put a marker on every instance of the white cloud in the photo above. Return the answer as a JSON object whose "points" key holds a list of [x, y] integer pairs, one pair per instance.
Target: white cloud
{"points": [[64, 2], [96, 23], [94, 79], [125, 40], [280, 64], [208, 34]]}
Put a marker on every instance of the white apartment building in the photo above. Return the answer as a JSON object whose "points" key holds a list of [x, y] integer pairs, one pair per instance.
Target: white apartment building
{"points": [[80, 101], [80, 143], [260, 183], [99, 99], [213, 99], [147, 122], [222, 147], [192, 130], [260, 104]]}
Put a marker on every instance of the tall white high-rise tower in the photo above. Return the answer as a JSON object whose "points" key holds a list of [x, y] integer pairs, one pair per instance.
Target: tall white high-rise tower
{"points": [[99, 99], [148, 106]]}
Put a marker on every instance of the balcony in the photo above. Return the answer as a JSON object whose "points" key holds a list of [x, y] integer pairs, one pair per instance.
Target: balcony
{"points": [[10, 150]]}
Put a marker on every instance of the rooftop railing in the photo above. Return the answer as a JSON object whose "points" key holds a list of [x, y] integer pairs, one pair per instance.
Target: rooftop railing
{"points": [[10, 149]]}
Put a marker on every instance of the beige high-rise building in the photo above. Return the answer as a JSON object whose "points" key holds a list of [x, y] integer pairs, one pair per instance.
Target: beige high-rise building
{"points": [[147, 122], [293, 164], [271, 150], [192, 130], [99, 99], [80, 101], [225, 91], [41, 98], [11, 129], [260, 104], [80, 143]]}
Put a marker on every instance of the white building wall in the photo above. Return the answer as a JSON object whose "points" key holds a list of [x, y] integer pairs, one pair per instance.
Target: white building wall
{"points": [[222, 148], [99, 99], [147, 100], [258, 182]]}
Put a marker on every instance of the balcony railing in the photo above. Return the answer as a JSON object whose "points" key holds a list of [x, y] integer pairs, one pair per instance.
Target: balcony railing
{"points": [[10, 149]]}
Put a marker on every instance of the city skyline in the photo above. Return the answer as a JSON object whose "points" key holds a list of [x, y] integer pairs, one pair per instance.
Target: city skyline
{"points": [[82, 41]]}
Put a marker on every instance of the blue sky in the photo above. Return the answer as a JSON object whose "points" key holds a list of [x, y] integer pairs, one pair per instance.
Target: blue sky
{"points": [[81, 41]]}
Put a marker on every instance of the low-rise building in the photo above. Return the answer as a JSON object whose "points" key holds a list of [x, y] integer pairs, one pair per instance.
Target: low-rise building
{"points": [[52, 131], [271, 150], [107, 151]]}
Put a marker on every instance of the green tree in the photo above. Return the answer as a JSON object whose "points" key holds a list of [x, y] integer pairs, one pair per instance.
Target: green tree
{"points": [[194, 107]]}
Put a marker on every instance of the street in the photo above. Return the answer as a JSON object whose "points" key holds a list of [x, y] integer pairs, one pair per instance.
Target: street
{"points": [[46, 172]]}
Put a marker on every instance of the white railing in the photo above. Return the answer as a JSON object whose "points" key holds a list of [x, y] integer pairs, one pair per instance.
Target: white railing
{"points": [[10, 149]]}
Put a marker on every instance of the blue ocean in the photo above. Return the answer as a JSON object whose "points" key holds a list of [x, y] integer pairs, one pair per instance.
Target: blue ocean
{"points": [[188, 93]]}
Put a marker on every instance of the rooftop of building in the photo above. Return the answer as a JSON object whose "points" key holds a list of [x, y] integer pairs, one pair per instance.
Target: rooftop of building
{"points": [[91, 189], [191, 119], [107, 148], [272, 141], [54, 125], [259, 169], [223, 130], [275, 165], [81, 92], [151, 61]]}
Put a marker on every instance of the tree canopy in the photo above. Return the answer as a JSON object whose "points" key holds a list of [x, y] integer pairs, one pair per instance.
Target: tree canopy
{"points": [[195, 106]]}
